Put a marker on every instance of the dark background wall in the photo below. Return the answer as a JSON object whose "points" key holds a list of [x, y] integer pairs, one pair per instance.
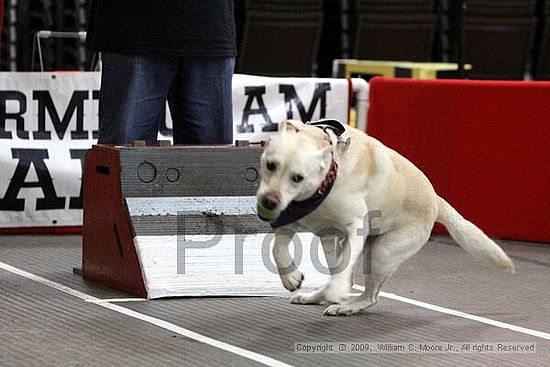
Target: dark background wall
{"points": [[502, 39]]}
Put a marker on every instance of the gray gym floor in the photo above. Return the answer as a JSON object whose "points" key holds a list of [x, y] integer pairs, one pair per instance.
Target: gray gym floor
{"points": [[52, 317]]}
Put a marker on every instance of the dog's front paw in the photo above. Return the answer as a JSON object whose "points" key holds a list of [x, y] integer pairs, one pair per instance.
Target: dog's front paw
{"points": [[307, 298], [293, 280], [341, 310]]}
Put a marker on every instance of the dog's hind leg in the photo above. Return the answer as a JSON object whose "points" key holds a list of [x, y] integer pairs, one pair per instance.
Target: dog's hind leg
{"points": [[386, 253], [341, 274]]}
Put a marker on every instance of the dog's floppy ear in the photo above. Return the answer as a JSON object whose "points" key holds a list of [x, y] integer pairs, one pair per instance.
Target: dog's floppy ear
{"points": [[330, 137], [342, 146], [291, 126], [325, 156]]}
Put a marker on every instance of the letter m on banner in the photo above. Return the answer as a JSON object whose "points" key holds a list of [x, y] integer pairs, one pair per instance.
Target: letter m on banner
{"points": [[319, 96], [46, 104]]}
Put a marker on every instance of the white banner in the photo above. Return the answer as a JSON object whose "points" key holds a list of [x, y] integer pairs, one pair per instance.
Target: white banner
{"points": [[259, 103], [49, 120]]}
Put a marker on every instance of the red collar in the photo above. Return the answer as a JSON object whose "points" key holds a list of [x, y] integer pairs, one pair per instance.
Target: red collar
{"points": [[326, 185]]}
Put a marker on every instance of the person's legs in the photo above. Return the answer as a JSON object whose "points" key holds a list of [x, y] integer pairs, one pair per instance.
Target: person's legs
{"points": [[201, 101], [134, 89]]}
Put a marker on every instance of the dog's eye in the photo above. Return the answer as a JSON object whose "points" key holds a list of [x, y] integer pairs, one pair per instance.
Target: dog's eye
{"points": [[297, 178], [271, 166]]}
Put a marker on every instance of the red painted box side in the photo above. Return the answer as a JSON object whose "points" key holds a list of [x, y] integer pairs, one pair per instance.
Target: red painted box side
{"points": [[108, 256]]}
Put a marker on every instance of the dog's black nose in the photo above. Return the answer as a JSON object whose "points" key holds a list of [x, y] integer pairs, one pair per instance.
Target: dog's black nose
{"points": [[270, 201]]}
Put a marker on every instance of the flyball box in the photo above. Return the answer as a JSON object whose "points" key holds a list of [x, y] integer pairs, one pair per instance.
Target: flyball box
{"points": [[169, 221]]}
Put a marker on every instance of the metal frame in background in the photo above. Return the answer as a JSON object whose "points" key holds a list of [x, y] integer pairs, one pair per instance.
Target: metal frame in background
{"points": [[45, 34]]}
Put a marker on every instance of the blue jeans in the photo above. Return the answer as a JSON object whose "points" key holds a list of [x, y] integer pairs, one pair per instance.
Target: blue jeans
{"points": [[134, 90]]}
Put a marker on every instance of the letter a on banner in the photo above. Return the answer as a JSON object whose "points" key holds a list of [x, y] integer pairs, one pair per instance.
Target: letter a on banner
{"points": [[18, 181]]}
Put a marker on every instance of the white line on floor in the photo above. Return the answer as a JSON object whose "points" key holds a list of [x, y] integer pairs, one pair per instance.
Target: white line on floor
{"points": [[49, 283], [243, 352], [149, 319], [464, 315]]}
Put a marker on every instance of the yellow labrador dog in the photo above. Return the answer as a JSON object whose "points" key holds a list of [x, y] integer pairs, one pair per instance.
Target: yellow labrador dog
{"points": [[325, 177]]}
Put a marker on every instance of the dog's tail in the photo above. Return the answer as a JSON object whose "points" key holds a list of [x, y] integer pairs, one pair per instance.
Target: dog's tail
{"points": [[471, 238]]}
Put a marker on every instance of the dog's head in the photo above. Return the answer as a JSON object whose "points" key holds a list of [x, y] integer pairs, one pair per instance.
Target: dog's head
{"points": [[293, 165]]}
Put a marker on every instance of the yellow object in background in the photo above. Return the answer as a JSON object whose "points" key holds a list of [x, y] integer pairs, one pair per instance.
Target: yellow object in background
{"points": [[348, 68], [367, 69]]}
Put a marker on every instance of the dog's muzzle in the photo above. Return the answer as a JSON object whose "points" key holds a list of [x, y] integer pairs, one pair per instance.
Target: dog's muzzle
{"points": [[267, 207]]}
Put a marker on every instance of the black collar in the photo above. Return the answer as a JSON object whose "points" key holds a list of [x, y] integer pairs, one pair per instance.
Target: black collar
{"points": [[334, 125], [298, 209]]}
